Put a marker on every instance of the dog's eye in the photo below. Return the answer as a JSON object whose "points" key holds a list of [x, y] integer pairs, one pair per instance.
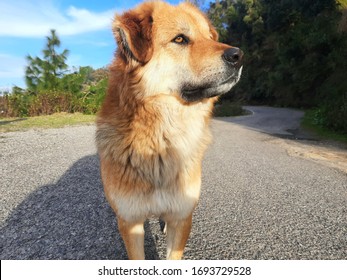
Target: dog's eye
{"points": [[181, 39]]}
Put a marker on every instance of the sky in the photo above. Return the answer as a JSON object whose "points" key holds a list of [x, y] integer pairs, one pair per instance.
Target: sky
{"points": [[84, 28]]}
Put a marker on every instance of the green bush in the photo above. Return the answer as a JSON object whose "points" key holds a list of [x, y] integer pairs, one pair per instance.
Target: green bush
{"points": [[15, 105], [333, 108], [227, 109]]}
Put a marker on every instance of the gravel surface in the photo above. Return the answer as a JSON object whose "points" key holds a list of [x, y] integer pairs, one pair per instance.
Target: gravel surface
{"points": [[257, 202]]}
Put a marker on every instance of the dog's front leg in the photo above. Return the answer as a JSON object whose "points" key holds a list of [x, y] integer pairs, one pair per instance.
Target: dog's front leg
{"points": [[133, 236], [177, 235]]}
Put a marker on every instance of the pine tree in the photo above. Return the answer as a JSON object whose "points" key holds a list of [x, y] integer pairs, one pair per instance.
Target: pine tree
{"points": [[45, 73]]}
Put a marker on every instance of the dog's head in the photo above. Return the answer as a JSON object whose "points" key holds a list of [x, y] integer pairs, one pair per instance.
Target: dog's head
{"points": [[175, 50]]}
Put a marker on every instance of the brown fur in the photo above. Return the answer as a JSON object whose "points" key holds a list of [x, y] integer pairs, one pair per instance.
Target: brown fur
{"points": [[150, 138]]}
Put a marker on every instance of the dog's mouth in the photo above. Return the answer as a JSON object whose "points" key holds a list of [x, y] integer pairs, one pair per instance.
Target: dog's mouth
{"points": [[194, 93]]}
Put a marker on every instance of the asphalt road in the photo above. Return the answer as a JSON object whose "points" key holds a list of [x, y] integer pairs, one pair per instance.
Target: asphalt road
{"points": [[260, 199], [275, 121]]}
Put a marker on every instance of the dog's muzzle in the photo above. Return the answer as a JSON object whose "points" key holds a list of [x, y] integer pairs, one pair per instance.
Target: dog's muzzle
{"points": [[232, 58]]}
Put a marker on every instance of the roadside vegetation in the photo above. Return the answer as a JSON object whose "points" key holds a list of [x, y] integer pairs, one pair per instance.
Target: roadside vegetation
{"points": [[56, 120], [226, 108], [295, 56], [53, 88], [312, 122]]}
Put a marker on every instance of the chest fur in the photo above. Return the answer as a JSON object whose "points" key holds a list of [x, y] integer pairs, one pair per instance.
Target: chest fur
{"points": [[160, 145], [168, 145]]}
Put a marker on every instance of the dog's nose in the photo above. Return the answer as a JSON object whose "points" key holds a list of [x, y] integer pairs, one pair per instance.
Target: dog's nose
{"points": [[233, 55]]}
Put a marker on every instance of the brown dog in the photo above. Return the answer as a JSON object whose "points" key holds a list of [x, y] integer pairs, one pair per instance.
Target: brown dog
{"points": [[153, 127]]}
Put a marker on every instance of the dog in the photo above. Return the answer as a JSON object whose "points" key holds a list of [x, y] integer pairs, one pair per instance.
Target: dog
{"points": [[153, 127]]}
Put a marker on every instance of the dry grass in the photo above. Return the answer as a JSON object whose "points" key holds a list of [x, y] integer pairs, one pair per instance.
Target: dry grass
{"points": [[51, 121]]}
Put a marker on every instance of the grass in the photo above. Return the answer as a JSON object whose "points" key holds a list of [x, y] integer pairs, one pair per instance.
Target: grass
{"points": [[223, 109], [51, 121], [228, 109], [309, 122]]}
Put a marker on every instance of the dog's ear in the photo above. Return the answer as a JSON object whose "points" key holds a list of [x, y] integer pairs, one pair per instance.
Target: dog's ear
{"points": [[133, 33], [213, 31]]}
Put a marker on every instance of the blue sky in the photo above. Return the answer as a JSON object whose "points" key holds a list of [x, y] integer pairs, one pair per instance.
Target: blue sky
{"points": [[84, 28]]}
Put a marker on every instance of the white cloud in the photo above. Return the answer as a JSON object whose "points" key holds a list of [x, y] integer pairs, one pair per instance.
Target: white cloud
{"points": [[22, 18]]}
